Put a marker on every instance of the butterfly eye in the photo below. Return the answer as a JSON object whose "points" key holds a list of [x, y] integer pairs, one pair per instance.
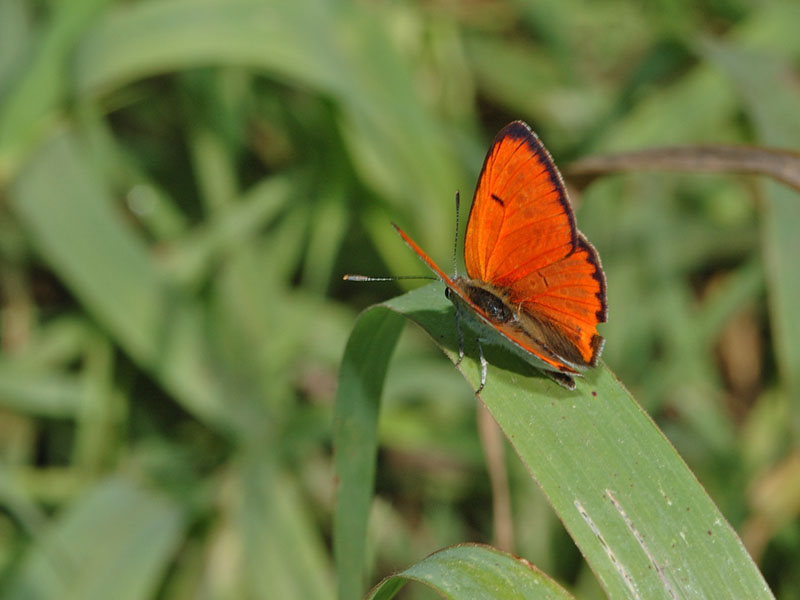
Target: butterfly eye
{"points": [[448, 292]]}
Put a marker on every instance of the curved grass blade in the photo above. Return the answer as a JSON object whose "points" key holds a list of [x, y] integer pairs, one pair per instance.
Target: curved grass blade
{"points": [[355, 439], [644, 523], [474, 572]]}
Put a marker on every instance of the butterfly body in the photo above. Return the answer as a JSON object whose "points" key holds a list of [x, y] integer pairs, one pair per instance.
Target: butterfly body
{"points": [[532, 277], [534, 334], [488, 314]]}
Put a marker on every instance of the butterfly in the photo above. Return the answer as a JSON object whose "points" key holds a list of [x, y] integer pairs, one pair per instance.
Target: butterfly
{"points": [[532, 278]]}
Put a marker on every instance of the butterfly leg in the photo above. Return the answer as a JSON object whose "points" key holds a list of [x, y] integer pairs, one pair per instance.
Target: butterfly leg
{"points": [[484, 364], [484, 367], [460, 337]]}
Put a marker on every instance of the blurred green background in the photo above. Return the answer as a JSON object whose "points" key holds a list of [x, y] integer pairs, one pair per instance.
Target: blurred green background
{"points": [[183, 183]]}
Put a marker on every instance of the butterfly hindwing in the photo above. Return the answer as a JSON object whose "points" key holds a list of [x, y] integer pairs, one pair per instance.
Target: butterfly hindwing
{"points": [[570, 294]]}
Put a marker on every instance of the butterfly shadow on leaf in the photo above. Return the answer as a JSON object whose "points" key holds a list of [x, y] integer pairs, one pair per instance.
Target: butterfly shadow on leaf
{"points": [[428, 307]]}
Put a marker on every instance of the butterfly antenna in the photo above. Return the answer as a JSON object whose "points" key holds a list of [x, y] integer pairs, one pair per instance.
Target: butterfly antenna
{"points": [[455, 240], [352, 277]]}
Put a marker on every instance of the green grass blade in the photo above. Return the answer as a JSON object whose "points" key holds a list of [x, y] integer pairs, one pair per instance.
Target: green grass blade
{"points": [[135, 41], [37, 94], [355, 439], [116, 542], [284, 553], [645, 525], [344, 53], [15, 38], [70, 216], [39, 392], [474, 572]]}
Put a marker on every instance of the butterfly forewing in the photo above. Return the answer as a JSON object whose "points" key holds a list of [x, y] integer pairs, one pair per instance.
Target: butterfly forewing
{"points": [[522, 241], [520, 218]]}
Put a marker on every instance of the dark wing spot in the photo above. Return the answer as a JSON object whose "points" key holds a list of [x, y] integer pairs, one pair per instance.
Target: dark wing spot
{"points": [[497, 199]]}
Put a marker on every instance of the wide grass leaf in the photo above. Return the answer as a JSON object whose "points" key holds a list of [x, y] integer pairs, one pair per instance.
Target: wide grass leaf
{"points": [[474, 572], [644, 523]]}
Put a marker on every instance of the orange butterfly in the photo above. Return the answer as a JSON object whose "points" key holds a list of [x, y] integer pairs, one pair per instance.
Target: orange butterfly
{"points": [[531, 275]]}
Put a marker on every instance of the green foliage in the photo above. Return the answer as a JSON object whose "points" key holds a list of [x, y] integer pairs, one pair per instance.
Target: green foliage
{"points": [[182, 184], [474, 572], [642, 521]]}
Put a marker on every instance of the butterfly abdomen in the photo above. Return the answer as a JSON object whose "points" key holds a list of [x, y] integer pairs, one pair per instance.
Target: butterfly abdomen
{"points": [[498, 321]]}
